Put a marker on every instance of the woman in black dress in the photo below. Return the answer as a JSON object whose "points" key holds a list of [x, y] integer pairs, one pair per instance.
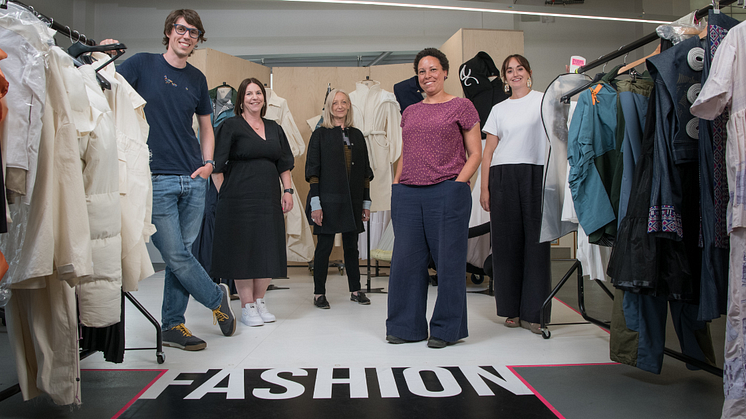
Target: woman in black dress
{"points": [[252, 165], [339, 172]]}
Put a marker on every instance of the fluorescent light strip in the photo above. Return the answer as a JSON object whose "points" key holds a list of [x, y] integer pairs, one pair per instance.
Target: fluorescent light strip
{"points": [[476, 9]]}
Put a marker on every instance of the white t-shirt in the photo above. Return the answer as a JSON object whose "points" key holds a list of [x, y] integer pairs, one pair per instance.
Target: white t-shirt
{"points": [[517, 123]]}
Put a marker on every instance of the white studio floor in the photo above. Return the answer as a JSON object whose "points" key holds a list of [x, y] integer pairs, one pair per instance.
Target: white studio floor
{"points": [[349, 334], [314, 363]]}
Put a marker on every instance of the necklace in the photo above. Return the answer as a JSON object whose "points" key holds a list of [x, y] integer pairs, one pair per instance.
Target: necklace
{"points": [[257, 126]]}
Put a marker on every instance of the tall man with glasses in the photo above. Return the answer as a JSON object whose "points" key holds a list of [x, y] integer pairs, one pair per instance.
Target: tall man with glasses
{"points": [[180, 165]]}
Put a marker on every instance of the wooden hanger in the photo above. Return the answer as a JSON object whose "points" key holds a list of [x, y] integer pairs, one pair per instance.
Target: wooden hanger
{"points": [[638, 62]]}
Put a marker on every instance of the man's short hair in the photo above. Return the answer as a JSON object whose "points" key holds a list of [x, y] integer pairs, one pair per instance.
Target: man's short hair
{"points": [[190, 16]]}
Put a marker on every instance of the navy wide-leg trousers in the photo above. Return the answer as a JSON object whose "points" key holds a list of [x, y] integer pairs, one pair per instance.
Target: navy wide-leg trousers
{"points": [[429, 221]]}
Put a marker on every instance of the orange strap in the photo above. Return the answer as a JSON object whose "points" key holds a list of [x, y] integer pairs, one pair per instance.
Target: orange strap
{"points": [[594, 92]]}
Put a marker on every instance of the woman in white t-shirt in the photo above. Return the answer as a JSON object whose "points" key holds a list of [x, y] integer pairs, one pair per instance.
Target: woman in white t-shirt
{"points": [[512, 163]]}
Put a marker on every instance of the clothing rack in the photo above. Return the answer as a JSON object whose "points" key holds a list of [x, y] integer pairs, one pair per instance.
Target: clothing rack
{"points": [[577, 267], [65, 30], [623, 50]]}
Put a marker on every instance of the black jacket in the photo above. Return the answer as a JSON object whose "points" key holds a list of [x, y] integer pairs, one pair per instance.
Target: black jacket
{"points": [[341, 195], [483, 93], [408, 92]]}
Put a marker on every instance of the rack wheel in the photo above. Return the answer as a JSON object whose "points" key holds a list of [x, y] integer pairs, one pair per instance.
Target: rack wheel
{"points": [[546, 334], [161, 357], [477, 279], [342, 270]]}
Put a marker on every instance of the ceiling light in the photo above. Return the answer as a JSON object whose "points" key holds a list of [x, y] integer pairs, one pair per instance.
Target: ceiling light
{"points": [[508, 10]]}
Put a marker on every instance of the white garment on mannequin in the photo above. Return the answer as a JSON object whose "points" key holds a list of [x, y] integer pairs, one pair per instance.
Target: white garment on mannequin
{"points": [[299, 243]]}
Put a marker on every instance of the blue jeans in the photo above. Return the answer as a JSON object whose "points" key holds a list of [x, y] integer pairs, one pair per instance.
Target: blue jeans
{"points": [[178, 204]]}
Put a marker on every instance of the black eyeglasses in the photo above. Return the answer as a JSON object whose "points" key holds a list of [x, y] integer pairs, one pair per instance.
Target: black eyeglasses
{"points": [[193, 32]]}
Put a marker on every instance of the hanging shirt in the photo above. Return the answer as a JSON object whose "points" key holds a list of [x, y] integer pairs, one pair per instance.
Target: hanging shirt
{"points": [[592, 134], [726, 87]]}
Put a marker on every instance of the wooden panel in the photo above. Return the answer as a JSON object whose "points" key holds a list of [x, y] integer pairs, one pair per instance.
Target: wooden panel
{"points": [[391, 74], [497, 43], [220, 67], [454, 50]]}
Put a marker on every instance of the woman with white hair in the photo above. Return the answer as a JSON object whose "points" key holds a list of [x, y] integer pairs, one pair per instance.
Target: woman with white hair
{"points": [[338, 169]]}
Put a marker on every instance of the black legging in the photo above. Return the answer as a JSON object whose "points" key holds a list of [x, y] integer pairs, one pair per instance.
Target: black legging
{"points": [[324, 245]]}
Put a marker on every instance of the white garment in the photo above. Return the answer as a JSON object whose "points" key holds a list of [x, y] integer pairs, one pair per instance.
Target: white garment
{"points": [[135, 186], [517, 123], [593, 258], [42, 320], [99, 295], [26, 40], [52, 234], [726, 87], [43, 332], [734, 368], [279, 111], [379, 220], [299, 239], [556, 117], [376, 114]]}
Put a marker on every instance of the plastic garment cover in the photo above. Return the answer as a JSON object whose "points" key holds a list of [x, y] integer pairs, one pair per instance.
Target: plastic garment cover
{"points": [[682, 29], [554, 115], [26, 40]]}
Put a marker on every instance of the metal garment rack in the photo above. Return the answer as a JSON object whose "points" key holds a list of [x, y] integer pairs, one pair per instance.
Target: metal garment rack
{"points": [[577, 266], [77, 36], [368, 289], [623, 50]]}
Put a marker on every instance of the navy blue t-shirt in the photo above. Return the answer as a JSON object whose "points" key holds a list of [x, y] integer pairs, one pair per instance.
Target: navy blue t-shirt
{"points": [[173, 96]]}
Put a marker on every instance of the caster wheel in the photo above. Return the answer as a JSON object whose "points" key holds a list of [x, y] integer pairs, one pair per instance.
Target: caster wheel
{"points": [[341, 270], [161, 357], [477, 279], [546, 334]]}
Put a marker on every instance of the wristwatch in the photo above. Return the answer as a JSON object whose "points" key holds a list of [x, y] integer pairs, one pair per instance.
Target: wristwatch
{"points": [[289, 190], [212, 162]]}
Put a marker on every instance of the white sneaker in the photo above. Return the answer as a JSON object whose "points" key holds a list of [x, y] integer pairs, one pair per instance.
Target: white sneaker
{"points": [[261, 306], [250, 316]]}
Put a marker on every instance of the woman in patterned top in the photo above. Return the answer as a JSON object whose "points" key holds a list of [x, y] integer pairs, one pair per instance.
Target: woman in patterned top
{"points": [[430, 208]]}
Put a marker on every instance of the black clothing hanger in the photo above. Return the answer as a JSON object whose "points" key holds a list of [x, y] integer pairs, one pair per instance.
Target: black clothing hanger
{"points": [[77, 49], [566, 97]]}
